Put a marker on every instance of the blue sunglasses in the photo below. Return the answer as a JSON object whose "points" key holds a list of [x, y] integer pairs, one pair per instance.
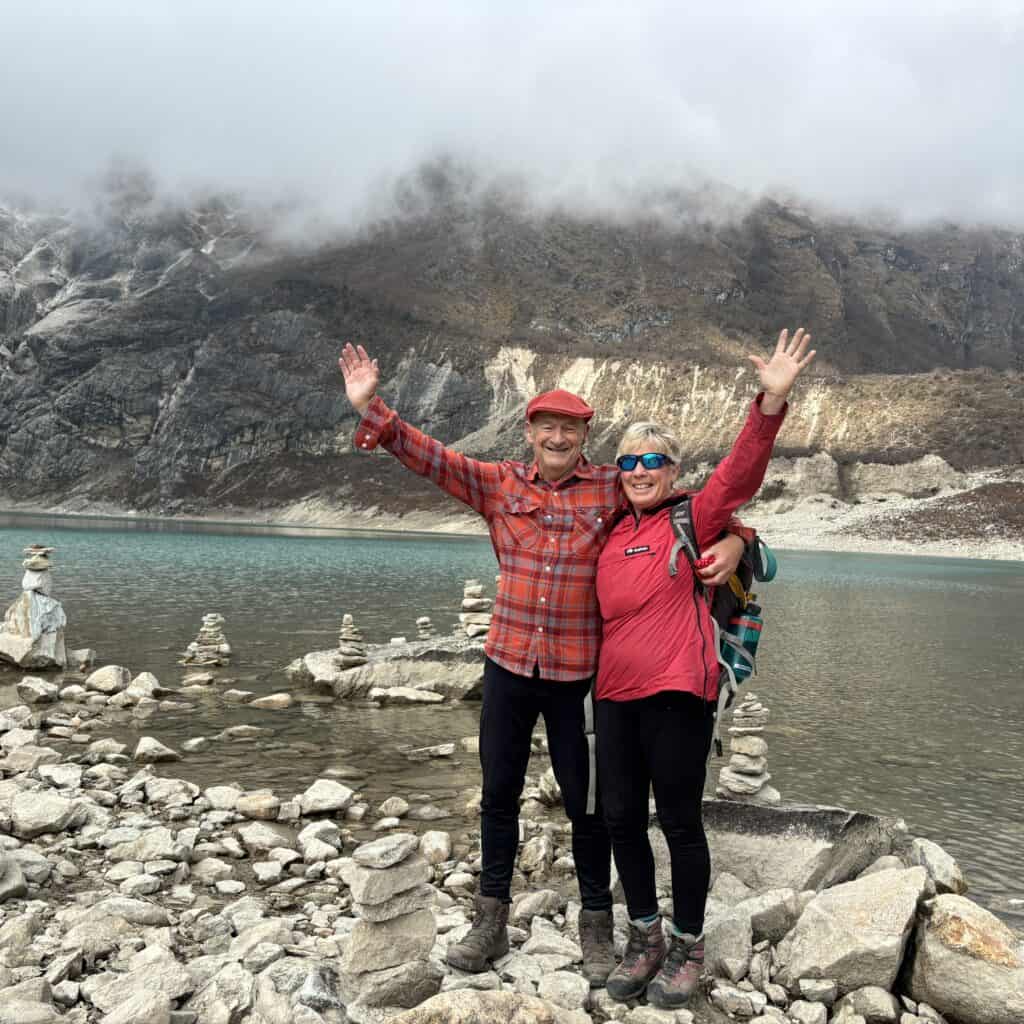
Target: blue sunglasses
{"points": [[651, 460]]}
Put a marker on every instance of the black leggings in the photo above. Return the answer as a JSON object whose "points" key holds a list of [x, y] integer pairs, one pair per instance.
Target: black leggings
{"points": [[661, 741], [511, 707]]}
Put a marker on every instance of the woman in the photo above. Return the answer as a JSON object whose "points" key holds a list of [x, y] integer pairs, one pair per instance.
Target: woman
{"points": [[657, 680]]}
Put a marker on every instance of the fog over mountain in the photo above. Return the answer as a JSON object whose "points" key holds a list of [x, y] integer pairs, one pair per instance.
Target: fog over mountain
{"points": [[861, 108]]}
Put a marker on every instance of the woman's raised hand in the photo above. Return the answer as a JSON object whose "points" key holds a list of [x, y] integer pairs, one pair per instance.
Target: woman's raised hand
{"points": [[362, 375], [788, 360]]}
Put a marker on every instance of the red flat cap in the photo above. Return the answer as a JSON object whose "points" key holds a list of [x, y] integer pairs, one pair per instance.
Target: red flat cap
{"points": [[565, 403]]}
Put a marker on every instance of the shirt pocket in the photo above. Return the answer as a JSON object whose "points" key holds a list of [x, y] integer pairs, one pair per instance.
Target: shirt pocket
{"points": [[517, 524], [590, 530]]}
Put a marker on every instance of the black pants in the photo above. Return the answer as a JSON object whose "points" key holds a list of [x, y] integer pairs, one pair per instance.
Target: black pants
{"points": [[661, 741], [510, 708]]}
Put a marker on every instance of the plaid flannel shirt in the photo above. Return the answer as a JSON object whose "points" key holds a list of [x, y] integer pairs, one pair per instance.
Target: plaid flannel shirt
{"points": [[547, 539]]}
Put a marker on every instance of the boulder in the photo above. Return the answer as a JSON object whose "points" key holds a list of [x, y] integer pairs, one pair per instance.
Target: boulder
{"points": [[386, 851], [151, 751], [855, 933], [109, 680], [369, 885], [941, 868], [32, 634], [12, 880], [373, 946], [32, 814], [33, 690], [325, 796], [967, 963]]}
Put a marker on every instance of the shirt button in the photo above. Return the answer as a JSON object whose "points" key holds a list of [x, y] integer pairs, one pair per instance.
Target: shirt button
{"points": [[547, 568], [540, 629], [599, 519], [547, 517], [542, 600], [365, 445]]}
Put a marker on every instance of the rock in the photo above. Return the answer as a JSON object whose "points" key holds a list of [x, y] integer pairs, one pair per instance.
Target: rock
{"points": [[261, 805], [226, 997], [772, 914], [32, 633], [273, 702], [33, 690], [374, 946], [369, 885], [941, 868], [393, 807], [12, 881], [154, 970], [419, 898], [967, 964], [222, 798], [325, 796], [728, 944], [436, 846], [110, 679], [550, 793], [537, 854], [386, 851], [856, 933], [151, 751], [818, 990], [571, 991], [808, 1013], [32, 814], [468, 1006], [526, 906], [142, 1007], [875, 1005], [260, 837], [403, 986]]}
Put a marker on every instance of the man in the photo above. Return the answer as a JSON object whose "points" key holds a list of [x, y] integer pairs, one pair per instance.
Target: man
{"points": [[548, 522]]}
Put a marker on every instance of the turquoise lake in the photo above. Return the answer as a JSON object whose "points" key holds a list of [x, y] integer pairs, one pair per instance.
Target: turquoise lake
{"points": [[894, 682]]}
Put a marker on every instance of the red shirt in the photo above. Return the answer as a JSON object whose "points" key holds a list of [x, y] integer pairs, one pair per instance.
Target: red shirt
{"points": [[657, 632], [547, 538]]}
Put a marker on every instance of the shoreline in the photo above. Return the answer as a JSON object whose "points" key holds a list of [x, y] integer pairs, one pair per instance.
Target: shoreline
{"points": [[815, 523]]}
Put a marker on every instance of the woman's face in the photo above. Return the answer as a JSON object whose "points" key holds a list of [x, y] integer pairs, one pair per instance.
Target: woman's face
{"points": [[644, 487]]}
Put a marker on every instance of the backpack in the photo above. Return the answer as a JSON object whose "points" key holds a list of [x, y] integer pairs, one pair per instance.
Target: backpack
{"points": [[735, 648]]}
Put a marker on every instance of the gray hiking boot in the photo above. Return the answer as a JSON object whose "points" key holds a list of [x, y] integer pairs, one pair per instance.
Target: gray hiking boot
{"points": [[597, 941], [645, 951], [486, 941], [680, 973]]}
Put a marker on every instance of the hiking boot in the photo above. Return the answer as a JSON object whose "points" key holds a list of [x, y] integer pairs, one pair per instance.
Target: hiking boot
{"points": [[486, 941], [680, 973], [645, 950], [597, 940]]}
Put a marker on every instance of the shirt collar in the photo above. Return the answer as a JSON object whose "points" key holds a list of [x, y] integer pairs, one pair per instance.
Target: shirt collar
{"points": [[584, 470]]}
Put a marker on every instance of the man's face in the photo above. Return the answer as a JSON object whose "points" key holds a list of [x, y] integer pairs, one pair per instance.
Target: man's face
{"points": [[557, 443]]}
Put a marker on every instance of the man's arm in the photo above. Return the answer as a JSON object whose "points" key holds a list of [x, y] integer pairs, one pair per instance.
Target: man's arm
{"points": [[473, 482]]}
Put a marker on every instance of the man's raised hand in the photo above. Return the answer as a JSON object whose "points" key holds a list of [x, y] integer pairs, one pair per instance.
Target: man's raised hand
{"points": [[789, 359], [362, 375]]}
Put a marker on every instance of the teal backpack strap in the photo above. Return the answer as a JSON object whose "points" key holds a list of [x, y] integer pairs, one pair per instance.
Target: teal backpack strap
{"points": [[686, 536]]}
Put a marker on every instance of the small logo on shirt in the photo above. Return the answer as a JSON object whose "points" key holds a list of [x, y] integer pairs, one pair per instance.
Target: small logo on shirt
{"points": [[640, 549]]}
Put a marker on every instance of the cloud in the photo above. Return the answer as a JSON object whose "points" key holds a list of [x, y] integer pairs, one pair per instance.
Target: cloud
{"points": [[910, 108]]}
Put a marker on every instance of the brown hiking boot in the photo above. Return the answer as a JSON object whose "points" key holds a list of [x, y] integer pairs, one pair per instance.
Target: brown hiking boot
{"points": [[486, 941], [680, 973], [597, 941], [645, 951]]}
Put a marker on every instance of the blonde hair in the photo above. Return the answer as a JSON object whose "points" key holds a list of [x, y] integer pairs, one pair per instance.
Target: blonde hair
{"points": [[653, 435]]}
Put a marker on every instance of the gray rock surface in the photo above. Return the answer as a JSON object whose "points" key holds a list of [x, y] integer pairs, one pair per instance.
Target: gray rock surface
{"points": [[967, 964], [856, 933]]}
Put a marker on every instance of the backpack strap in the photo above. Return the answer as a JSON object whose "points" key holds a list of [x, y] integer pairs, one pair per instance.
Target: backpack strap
{"points": [[681, 518]]}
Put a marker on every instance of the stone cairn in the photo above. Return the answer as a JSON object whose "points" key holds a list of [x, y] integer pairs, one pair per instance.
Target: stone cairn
{"points": [[32, 634], [745, 777], [210, 648], [425, 628], [476, 609], [351, 645], [386, 966]]}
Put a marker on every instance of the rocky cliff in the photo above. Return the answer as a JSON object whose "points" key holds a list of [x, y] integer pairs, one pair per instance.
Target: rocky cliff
{"points": [[172, 360]]}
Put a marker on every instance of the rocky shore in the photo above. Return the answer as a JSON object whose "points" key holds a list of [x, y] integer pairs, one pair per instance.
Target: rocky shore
{"points": [[129, 895]]}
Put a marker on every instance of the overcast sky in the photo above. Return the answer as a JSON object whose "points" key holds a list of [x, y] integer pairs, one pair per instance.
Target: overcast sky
{"points": [[911, 107]]}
